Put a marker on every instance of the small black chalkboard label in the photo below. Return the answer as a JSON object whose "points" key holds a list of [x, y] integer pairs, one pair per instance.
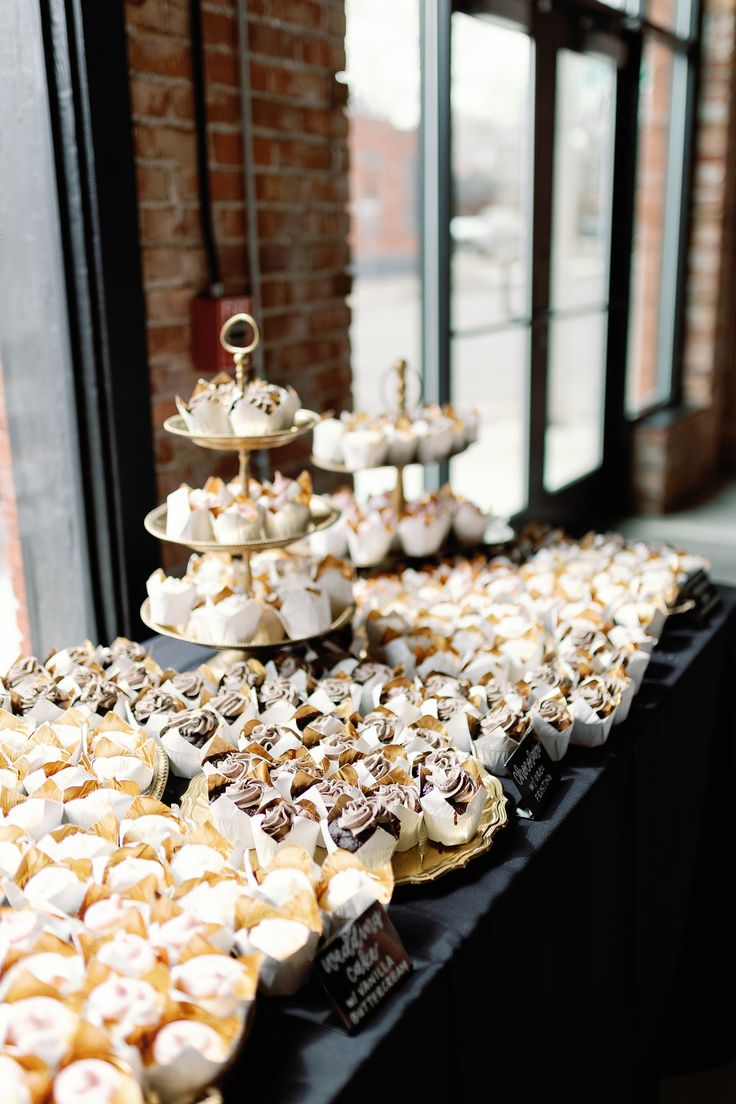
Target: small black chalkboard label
{"points": [[699, 590], [534, 774], [361, 965]]}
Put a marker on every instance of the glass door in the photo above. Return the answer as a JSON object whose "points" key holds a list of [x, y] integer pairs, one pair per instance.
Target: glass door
{"points": [[542, 171]]}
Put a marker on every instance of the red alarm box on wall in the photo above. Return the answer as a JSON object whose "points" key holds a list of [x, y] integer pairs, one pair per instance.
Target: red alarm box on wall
{"points": [[209, 314]]}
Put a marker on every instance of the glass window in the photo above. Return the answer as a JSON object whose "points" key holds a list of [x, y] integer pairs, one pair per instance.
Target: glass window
{"points": [[656, 230], [490, 374], [491, 103], [383, 78], [583, 180], [581, 243], [575, 398], [491, 163]]}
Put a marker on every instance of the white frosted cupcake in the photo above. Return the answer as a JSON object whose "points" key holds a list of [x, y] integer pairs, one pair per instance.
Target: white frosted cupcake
{"points": [[436, 441], [238, 523], [364, 447], [370, 534], [260, 410], [170, 600], [327, 439], [188, 515], [469, 522]]}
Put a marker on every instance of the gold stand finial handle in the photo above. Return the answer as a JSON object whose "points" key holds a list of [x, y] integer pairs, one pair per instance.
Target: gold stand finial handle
{"points": [[401, 367], [241, 353]]}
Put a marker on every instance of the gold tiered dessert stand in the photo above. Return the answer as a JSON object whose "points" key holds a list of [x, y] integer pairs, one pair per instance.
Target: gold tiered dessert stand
{"points": [[401, 369], [323, 514]]}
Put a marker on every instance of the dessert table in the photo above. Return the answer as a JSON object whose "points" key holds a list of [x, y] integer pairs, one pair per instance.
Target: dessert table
{"points": [[583, 953]]}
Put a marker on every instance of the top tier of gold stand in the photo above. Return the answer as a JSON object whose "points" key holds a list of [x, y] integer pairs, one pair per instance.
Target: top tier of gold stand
{"points": [[304, 422]]}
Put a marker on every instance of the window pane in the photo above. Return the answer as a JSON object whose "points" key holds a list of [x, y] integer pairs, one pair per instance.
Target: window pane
{"points": [[673, 14], [654, 263], [583, 175], [491, 163], [383, 118], [575, 398], [490, 374]]}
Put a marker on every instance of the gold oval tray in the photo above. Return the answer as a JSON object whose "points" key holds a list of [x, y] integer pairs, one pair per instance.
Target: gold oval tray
{"points": [[341, 469], [247, 645], [155, 523], [160, 774], [424, 863], [304, 421], [428, 861]]}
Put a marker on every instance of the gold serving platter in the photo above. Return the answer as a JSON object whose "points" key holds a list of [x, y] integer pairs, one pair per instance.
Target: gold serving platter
{"points": [[424, 863], [155, 523], [429, 861], [251, 646], [341, 469], [304, 422]]}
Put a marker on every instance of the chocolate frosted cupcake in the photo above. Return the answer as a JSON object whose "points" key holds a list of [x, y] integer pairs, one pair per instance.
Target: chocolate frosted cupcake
{"points": [[279, 817], [583, 638], [359, 820], [230, 704], [446, 687], [287, 664], [197, 726], [135, 679], [331, 789], [34, 691], [368, 671], [99, 695], [240, 675], [384, 726], [447, 708], [454, 784], [546, 677], [269, 735], [501, 690], [278, 690], [338, 688], [189, 686], [123, 649], [513, 722], [378, 765], [554, 712], [401, 689], [594, 692], [246, 793], [23, 670], [396, 794], [443, 759], [153, 702], [235, 765]]}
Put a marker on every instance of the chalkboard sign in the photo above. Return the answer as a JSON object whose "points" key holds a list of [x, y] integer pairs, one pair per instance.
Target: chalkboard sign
{"points": [[700, 591], [361, 965], [534, 774]]}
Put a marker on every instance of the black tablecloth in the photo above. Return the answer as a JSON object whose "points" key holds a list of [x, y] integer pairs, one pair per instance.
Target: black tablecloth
{"points": [[585, 952]]}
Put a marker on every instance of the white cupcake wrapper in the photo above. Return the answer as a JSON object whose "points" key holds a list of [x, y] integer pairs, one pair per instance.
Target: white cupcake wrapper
{"points": [[446, 826]]}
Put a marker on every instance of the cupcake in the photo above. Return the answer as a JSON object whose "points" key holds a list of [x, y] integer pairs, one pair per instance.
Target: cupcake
{"points": [[238, 523], [327, 438], [261, 410], [365, 828]]}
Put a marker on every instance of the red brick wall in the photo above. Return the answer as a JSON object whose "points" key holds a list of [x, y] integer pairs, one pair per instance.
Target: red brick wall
{"points": [[676, 462], [10, 552], [300, 156]]}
